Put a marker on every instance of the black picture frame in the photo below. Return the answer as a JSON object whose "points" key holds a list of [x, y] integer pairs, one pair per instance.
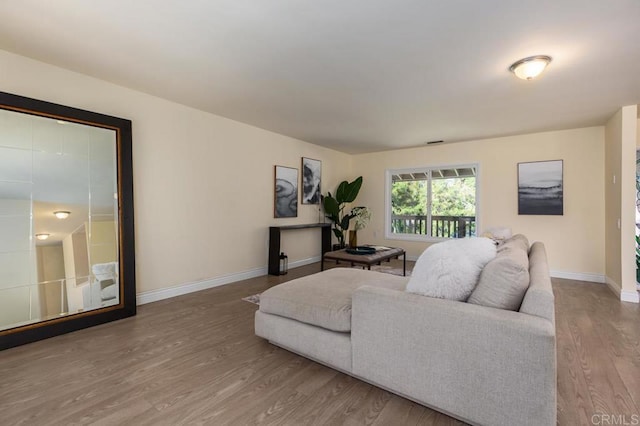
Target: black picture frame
{"points": [[541, 188]]}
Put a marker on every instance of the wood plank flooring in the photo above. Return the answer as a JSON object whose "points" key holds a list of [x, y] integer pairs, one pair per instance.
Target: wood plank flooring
{"points": [[195, 360]]}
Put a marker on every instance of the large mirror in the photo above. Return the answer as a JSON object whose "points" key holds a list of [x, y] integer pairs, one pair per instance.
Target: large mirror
{"points": [[66, 222]]}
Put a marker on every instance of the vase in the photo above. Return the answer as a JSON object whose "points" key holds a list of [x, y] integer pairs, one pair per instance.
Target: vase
{"points": [[353, 239]]}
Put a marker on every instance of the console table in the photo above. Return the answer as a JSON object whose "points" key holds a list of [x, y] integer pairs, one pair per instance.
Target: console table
{"points": [[274, 242]]}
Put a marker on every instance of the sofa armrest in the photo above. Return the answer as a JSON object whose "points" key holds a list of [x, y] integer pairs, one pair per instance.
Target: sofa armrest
{"points": [[479, 364]]}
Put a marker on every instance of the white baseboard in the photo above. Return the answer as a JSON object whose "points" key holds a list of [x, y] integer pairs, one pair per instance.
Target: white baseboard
{"points": [[579, 276], [304, 262], [629, 296], [624, 295], [613, 286], [179, 290]]}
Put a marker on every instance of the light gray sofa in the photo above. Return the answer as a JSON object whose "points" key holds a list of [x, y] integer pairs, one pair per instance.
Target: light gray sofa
{"points": [[482, 365]]}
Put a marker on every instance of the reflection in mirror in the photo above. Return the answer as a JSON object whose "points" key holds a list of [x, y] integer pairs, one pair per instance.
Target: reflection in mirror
{"points": [[48, 166]]}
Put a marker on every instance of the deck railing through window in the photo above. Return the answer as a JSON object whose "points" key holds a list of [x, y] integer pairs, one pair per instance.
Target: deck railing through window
{"points": [[441, 226]]}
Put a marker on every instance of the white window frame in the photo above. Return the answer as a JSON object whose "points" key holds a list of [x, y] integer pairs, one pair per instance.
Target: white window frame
{"points": [[426, 169]]}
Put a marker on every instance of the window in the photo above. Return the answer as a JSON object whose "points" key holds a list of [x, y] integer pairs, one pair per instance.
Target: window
{"points": [[431, 202]]}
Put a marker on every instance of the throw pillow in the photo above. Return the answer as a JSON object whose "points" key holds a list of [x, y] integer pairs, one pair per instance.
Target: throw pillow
{"points": [[517, 241], [503, 281], [450, 270], [498, 234]]}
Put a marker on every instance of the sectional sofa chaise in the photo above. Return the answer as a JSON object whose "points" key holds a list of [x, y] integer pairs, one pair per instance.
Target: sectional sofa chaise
{"points": [[480, 364]]}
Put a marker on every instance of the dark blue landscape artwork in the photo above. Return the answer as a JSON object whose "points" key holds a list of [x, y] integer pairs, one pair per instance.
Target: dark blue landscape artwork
{"points": [[540, 188]]}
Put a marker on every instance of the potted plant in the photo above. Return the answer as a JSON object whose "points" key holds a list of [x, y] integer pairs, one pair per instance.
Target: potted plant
{"points": [[361, 217], [334, 207]]}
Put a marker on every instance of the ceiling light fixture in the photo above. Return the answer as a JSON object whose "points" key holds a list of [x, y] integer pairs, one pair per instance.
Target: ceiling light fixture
{"points": [[62, 214], [531, 67], [42, 236]]}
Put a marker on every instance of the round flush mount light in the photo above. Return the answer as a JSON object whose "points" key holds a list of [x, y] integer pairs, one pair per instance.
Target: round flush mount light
{"points": [[531, 67], [62, 214], [42, 237]]}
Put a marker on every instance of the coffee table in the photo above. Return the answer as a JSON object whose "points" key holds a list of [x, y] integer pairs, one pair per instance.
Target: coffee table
{"points": [[367, 259]]}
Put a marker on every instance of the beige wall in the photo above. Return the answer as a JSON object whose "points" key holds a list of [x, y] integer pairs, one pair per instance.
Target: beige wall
{"points": [[102, 242], [613, 212], [574, 241], [203, 184], [620, 154], [628, 202]]}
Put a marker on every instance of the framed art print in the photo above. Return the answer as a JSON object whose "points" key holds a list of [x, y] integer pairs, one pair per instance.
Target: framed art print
{"points": [[540, 188], [311, 179], [285, 192]]}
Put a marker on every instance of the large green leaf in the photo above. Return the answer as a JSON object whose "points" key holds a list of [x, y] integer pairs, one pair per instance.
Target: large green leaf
{"points": [[340, 191], [344, 223], [331, 207], [351, 190]]}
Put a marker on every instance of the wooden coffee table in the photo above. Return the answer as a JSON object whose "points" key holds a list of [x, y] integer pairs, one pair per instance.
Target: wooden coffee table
{"points": [[367, 259]]}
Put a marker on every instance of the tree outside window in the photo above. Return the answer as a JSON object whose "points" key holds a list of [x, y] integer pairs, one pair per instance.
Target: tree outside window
{"points": [[433, 202]]}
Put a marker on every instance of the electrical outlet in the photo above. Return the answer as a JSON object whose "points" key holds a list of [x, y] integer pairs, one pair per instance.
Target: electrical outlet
{"points": [[618, 223], [614, 179]]}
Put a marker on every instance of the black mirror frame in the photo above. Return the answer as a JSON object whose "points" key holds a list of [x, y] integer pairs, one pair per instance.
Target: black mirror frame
{"points": [[127, 307]]}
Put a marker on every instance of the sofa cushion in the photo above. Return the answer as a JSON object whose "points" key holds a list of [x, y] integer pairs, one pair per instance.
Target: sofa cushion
{"points": [[324, 299], [503, 281], [518, 241], [450, 270]]}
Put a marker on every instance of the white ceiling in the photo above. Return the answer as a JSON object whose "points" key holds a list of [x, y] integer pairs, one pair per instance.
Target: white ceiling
{"points": [[354, 75]]}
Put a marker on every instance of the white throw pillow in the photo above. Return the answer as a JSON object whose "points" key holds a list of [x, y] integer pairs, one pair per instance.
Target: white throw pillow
{"points": [[451, 269]]}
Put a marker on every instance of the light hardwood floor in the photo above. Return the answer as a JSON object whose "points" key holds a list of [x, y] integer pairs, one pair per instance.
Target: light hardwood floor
{"points": [[195, 360]]}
